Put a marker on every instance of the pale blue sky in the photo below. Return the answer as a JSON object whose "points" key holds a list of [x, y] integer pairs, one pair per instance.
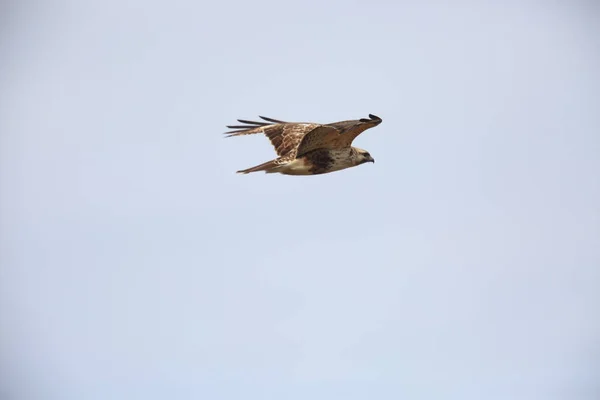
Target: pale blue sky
{"points": [[463, 264]]}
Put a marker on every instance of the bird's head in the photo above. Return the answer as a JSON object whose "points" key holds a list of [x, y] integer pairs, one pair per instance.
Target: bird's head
{"points": [[363, 156]]}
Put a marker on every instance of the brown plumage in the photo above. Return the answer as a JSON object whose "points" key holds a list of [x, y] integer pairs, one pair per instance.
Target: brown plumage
{"points": [[308, 148]]}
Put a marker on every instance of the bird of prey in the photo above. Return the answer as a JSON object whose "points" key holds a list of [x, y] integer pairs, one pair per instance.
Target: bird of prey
{"points": [[308, 148]]}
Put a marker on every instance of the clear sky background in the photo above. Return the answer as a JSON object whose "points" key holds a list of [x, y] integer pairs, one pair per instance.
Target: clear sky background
{"points": [[463, 264]]}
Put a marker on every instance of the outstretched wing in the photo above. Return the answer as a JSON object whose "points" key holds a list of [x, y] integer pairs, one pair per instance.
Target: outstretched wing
{"points": [[337, 135], [284, 136]]}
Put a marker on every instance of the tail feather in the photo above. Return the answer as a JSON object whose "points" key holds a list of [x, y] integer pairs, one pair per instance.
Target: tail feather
{"points": [[262, 167]]}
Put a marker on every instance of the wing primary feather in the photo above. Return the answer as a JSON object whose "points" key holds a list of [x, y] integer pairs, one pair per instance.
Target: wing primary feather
{"points": [[244, 121], [272, 120], [372, 118], [243, 126]]}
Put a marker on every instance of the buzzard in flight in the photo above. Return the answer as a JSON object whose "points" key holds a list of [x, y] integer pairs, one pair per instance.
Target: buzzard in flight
{"points": [[307, 148]]}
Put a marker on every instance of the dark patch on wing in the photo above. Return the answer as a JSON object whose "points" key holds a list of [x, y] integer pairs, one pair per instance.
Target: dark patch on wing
{"points": [[321, 161]]}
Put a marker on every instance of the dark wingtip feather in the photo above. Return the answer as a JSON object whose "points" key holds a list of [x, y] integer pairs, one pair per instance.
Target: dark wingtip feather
{"points": [[241, 127], [272, 120], [245, 121], [250, 126], [232, 133], [373, 118]]}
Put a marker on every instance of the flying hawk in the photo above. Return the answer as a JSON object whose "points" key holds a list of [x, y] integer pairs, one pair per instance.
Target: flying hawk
{"points": [[307, 148]]}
